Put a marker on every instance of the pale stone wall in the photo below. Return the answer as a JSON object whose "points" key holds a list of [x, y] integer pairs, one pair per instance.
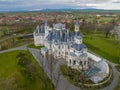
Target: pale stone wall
{"points": [[38, 40]]}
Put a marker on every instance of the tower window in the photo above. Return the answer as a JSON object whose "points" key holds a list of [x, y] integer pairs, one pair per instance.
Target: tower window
{"points": [[74, 62], [70, 61], [66, 53]]}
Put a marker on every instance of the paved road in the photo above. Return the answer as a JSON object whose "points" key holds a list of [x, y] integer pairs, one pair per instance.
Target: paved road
{"points": [[17, 48], [115, 78], [17, 36], [63, 82]]}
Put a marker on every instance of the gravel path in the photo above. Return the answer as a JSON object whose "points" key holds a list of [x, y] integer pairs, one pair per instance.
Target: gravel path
{"points": [[63, 83]]}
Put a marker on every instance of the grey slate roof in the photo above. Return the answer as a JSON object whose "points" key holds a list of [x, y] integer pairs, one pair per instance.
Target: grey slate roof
{"points": [[59, 24], [77, 22], [44, 49], [78, 46], [72, 54], [78, 37], [46, 22], [41, 30], [60, 36], [83, 55]]}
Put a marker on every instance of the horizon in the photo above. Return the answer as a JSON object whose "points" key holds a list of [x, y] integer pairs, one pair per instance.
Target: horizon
{"points": [[59, 10], [30, 5]]}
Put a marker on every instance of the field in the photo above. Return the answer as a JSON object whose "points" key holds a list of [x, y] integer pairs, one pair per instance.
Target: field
{"points": [[11, 77], [33, 46], [108, 48]]}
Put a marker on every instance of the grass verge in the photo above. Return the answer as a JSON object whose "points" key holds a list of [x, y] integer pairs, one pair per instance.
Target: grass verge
{"points": [[33, 46], [11, 77]]}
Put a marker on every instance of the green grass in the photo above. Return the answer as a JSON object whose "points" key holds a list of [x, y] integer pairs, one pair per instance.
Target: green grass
{"points": [[12, 79], [105, 47], [17, 42], [33, 46]]}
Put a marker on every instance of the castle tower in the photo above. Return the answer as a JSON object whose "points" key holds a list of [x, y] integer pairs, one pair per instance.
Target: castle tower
{"points": [[77, 26], [46, 27], [78, 37]]}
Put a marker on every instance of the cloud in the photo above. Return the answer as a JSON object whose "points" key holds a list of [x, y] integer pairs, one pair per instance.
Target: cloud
{"points": [[43, 4]]}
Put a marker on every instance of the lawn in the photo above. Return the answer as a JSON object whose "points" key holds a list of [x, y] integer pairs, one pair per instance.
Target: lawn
{"points": [[11, 77], [105, 47], [33, 46], [14, 42]]}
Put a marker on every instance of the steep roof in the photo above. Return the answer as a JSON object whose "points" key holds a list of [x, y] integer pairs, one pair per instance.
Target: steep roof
{"points": [[78, 47], [39, 30], [44, 49], [60, 36], [46, 22], [77, 22], [72, 54]]}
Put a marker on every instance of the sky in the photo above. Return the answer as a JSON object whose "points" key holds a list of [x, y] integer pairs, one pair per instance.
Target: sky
{"points": [[11, 5]]}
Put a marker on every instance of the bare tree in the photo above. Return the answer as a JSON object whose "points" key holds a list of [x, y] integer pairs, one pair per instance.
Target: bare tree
{"points": [[108, 27]]}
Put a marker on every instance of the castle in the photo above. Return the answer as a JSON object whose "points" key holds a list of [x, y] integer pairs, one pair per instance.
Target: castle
{"points": [[62, 43]]}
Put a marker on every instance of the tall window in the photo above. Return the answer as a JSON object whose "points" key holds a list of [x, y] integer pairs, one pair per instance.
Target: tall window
{"points": [[70, 61], [74, 62], [66, 53], [84, 62], [68, 46], [74, 50], [80, 62], [59, 46]]}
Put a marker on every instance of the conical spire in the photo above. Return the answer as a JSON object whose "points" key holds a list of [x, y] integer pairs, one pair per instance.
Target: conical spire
{"points": [[77, 22], [77, 25], [46, 22]]}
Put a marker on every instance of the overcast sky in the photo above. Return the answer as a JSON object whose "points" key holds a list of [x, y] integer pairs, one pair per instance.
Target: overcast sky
{"points": [[57, 4]]}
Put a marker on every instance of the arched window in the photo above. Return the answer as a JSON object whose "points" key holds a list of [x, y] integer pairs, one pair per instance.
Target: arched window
{"points": [[85, 62], [66, 53], [70, 61], [74, 62], [68, 46], [59, 46]]}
